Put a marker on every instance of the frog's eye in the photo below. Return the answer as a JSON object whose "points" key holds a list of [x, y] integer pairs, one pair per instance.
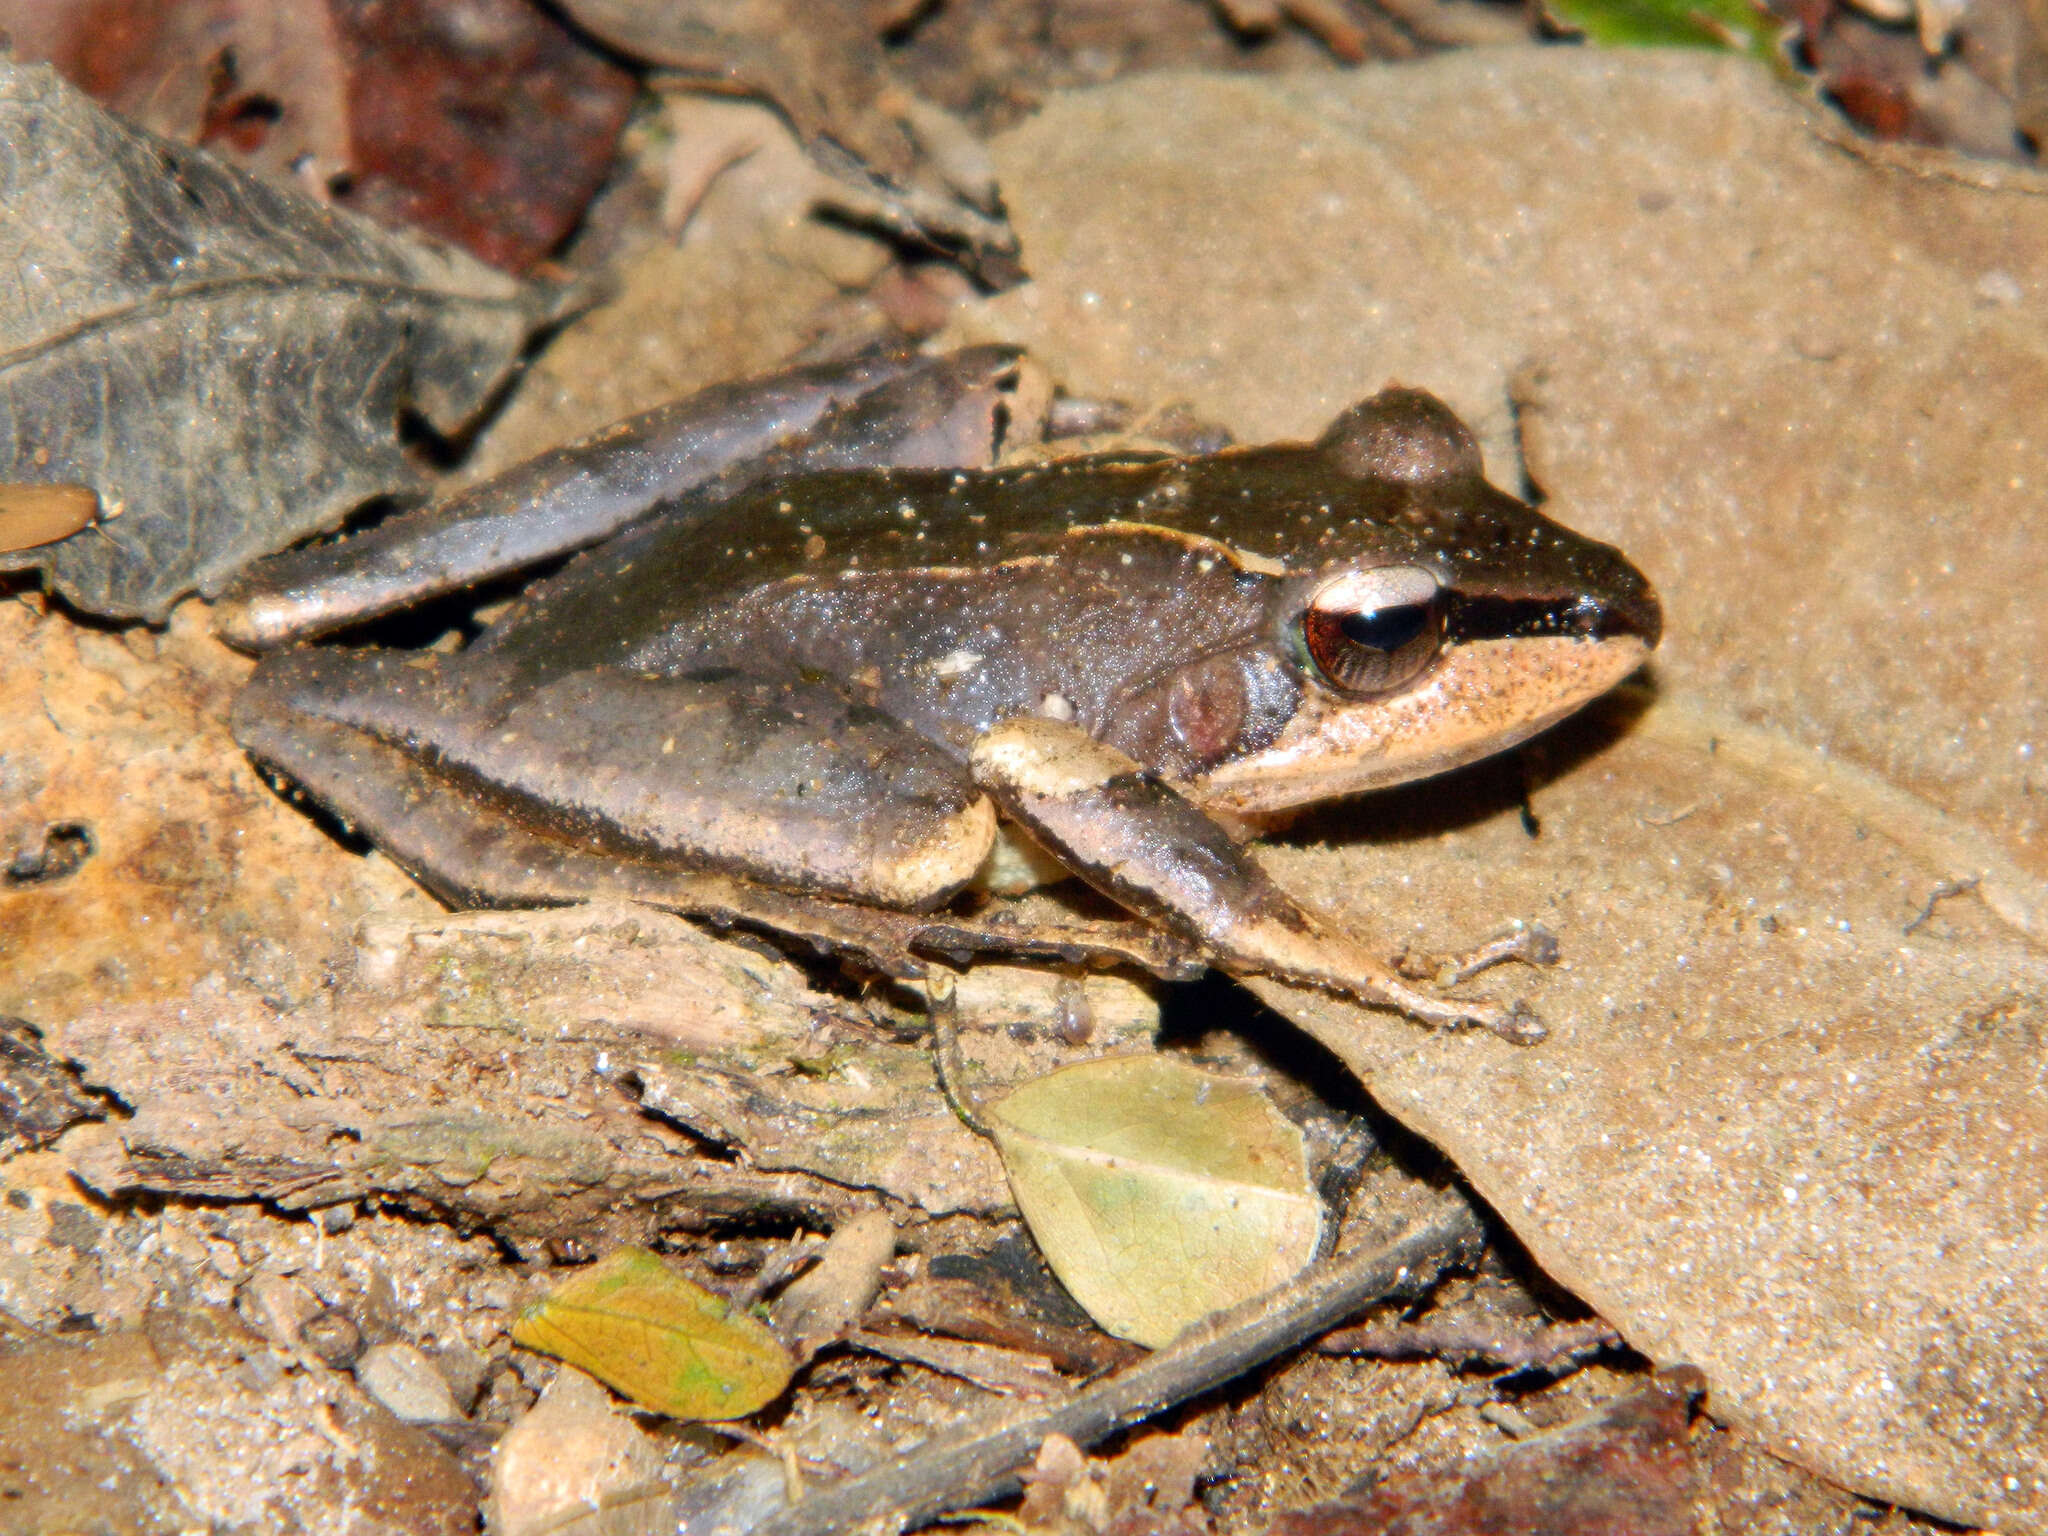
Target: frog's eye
{"points": [[1369, 631]]}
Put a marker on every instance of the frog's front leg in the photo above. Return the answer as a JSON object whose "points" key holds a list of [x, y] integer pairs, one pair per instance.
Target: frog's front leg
{"points": [[1139, 841], [788, 782]]}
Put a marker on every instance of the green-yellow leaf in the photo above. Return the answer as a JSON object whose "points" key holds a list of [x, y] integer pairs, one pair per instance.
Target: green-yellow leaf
{"points": [[1741, 25], [666, 1343], [1159, 1194]]}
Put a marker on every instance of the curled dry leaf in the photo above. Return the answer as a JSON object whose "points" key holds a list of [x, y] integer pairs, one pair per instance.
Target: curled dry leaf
{"points": [[224, 359], [1159, 1194], [824, 1303], [900, 162], [659, 1339]]}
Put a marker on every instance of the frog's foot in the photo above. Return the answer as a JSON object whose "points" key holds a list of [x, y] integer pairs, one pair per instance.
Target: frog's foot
{"points": [[1515, 1023], [1141, 842], [1529, 943], [1288, 941]]}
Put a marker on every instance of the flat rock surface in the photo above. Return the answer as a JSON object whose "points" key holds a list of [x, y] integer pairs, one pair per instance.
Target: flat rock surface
{"points": [[1781, 1130]]}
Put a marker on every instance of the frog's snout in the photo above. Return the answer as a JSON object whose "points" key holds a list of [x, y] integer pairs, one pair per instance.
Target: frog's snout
{"points": [[1621, 605], [1631, 609]]}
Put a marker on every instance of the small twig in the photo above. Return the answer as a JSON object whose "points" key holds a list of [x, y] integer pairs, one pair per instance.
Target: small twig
{"points": [[1943, 889], [943, 1004], [1670, 820], [1530, 943], [1010, 1372], [981, 1463], [787, 1260], [1463, 1342]]}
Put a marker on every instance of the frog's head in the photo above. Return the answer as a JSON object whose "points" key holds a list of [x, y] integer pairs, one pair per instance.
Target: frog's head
{"points": [[1427, 618]]}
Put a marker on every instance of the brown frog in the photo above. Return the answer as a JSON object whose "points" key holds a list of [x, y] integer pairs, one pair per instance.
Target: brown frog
{"points": [[831, 679]]}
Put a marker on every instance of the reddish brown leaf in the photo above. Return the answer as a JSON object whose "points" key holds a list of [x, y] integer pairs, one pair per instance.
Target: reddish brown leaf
{"points": [[486, 122], [1626, 1470]]}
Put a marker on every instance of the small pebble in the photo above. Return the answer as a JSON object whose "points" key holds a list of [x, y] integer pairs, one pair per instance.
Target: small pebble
{"points": [[405, 1381]]}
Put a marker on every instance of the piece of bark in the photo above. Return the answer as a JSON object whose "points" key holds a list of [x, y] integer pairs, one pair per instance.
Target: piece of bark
{"points": [[39, 1098], [318, 1107]]}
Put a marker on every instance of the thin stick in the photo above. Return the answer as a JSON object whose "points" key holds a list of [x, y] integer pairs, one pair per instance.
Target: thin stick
{"points": [[980, 1463]]}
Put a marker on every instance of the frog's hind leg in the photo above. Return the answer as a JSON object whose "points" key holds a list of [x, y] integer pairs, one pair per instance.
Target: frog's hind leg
{"points": [[790, 783], [893, 409]]}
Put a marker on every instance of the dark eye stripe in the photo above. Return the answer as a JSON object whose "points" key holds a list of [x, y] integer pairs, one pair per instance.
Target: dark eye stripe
{"points": [[1517, 618]]}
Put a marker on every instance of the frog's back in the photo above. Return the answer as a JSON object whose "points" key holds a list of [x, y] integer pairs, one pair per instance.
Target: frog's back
{"points": [[683, 568]]}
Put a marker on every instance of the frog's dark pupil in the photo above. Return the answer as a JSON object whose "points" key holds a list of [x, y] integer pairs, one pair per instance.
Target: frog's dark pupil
{"points": [[1385, 629]]}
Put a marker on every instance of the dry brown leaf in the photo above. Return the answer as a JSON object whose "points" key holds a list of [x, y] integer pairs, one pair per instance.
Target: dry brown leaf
{"points": [[1773, 1133]]}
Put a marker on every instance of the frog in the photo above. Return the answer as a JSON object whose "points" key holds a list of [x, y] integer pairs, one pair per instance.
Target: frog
{"points": [[831, 671]]}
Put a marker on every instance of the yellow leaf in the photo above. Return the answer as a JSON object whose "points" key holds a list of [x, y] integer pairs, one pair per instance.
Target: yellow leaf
{"points": [[1159, 1194], [659, 1339]]}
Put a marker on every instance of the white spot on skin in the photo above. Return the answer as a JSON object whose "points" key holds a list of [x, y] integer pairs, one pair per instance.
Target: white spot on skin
{"points": [[956, 664], [1056, 706]]}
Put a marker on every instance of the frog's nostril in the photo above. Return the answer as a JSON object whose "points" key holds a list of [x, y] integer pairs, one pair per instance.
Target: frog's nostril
{"points": [[1633, 610], [1623, 604]]}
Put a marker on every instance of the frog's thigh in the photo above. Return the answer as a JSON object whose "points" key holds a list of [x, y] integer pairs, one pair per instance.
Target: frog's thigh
{"points": [[788, 782]]}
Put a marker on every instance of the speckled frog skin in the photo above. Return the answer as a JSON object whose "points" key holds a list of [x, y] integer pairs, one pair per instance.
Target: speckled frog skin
{"points": [[833, 682]]}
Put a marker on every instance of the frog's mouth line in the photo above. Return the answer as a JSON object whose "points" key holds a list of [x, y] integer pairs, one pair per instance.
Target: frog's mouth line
{"points": [[1480, 697]]}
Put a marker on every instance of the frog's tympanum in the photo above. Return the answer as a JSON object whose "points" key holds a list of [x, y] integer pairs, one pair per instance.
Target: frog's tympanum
{"points": [[835, 683]]}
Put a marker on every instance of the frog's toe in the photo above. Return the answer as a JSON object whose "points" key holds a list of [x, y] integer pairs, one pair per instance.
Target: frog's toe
{"points": [[936, 858], [1517, 1023]]}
